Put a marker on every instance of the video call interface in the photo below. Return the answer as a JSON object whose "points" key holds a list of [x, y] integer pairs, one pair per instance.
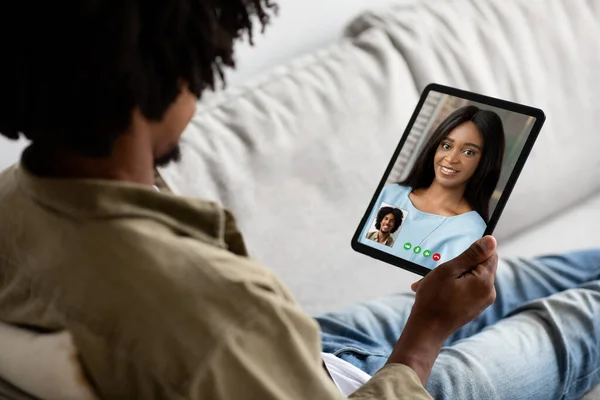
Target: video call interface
{"points": [[447, 179]]}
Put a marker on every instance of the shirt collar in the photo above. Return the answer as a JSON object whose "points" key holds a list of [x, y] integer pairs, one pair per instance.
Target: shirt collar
{"points": [[84, 199]]}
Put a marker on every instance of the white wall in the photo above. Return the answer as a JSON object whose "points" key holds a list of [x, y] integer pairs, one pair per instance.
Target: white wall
{"points": [[302, 26]]}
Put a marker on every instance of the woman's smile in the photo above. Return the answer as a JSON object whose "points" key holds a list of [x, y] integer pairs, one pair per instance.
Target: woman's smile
{"points": [[448, 171]]}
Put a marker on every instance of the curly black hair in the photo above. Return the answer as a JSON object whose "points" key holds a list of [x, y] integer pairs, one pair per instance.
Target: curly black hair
{"points": [[72, 72], [383, 211]]}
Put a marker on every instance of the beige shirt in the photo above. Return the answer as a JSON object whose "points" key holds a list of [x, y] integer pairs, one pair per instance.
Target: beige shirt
{"points": [[375, 236], [160, 296]]}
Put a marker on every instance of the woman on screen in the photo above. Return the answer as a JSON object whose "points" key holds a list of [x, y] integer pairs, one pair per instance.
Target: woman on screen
{"points": [[447, 193]]}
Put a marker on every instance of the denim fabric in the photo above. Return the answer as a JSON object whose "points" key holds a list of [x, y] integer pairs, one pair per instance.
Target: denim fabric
{"points": [[539, 340]]}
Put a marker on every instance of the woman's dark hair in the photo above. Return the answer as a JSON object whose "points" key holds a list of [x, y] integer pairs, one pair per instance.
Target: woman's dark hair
{"points": [[72, 72], [383, 211], [482, 184]]}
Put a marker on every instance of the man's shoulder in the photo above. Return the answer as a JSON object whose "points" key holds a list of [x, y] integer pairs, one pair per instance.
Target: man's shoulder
{"points": [[126, 265], [145, 248], [151, 246], [161, 303], [142, 251], [151, 280]]}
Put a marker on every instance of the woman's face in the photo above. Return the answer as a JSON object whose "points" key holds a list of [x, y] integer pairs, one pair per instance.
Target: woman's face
{"points": [[458, 156], [387, 223]]}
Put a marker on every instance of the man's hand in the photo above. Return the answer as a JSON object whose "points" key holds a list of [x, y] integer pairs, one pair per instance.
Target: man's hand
{"points": [[447, 298], [459, 290]]}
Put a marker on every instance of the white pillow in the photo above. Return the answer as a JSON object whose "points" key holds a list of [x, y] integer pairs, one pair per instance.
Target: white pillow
{"points": [[43, 365]]}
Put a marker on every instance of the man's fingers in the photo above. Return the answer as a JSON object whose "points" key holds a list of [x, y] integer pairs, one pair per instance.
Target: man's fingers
{"points": [[485, 274], [487, 269], [492, 297], [477, 253], [415, 286]]}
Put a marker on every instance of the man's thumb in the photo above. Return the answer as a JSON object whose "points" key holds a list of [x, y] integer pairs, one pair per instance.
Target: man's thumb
{"points": [[478, 252], [415, 286]]}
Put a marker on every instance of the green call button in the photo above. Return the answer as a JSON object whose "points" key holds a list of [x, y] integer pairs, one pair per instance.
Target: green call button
{"points": [[417, 250], [407, 246], [426, 253]]}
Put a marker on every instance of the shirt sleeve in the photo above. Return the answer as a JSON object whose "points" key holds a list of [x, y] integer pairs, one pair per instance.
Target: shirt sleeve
{"points": [[394, 381], [276, 354]]}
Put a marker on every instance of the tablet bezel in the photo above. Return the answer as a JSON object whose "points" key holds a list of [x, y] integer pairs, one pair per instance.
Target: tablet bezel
{"points": [[536, 113]]}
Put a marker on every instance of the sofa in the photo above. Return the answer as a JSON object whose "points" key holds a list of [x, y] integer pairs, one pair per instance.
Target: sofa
{"points": [[297, 153]]}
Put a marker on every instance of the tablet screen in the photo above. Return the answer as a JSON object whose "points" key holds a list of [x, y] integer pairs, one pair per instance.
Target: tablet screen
{"points": [[449, 178]]}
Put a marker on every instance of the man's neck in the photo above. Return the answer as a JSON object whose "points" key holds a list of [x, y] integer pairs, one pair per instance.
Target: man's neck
{"points": [[382, 237], [127, 163]]}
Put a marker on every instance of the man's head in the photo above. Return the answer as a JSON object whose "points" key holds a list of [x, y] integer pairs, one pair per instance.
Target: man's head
{"points": [[388, 220], [78, 76]]}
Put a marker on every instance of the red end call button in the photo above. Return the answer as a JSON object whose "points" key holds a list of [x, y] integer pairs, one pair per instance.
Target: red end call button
{"points": [[436, 257]]}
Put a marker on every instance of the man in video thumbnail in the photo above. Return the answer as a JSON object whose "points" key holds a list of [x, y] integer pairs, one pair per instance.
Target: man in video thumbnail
{"points": [[388, 221]]}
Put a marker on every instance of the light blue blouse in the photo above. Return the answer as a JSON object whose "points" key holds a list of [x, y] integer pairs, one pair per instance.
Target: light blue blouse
{"points": [[423, 235]]}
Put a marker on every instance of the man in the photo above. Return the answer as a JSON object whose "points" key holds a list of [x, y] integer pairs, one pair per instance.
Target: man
{"points": [[387, 222], [158, 292]]}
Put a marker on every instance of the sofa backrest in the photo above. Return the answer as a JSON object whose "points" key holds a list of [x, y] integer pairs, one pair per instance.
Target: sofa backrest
{"points": [[298, 154]]}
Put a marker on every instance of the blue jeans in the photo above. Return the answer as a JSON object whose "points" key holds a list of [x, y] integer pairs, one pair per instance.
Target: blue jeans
{"points": [[539, 340]]}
